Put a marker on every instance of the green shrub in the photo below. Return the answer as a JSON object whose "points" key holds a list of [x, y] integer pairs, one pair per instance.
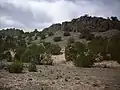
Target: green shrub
{"points": [[97, 46], [71, 40], [83, 60], [114, 48], [16, 67], [85, 33], [19, 52], [57, 39], [3, 64], [35, 38], [105, 47], [8, 56], [43, 36], [82, 36], [50, 33], [87, 36], [46, 59], [78, 53], [32, 67], [55, 49], [70, 52], [47, 46], [2, 56], [80, 47], [66, 34], [33, 52]]}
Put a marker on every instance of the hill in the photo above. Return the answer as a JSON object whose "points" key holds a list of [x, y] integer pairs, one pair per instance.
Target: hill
{"points": [[96, 25], [50, 59]]}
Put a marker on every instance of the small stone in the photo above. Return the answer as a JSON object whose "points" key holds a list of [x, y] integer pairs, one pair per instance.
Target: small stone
{"points": [[40, 71], [53, 82], [66, 79], [30, 79], [95, 85], [77, 78]]}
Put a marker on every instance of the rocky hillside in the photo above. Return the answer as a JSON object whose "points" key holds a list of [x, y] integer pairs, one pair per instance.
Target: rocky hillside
{"points": [[95, 24]]}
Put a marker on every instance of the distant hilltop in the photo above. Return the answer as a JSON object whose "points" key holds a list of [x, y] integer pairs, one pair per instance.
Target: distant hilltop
{"points": [[86, 22], [95, 24]]}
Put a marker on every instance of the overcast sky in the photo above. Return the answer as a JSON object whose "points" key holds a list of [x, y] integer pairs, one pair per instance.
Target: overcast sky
{"points": [[31, 14]]}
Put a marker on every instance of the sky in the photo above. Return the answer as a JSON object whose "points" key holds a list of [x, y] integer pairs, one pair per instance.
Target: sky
{"points": [[31, 14]]}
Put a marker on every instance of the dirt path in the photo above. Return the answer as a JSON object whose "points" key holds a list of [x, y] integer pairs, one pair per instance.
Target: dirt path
{"points": [[58, 59]]}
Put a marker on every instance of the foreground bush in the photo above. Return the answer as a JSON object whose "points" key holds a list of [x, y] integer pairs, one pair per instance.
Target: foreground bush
{"points": [[46, 59], [50, 33], [86, 34], [8, 56], [43, 36], [83, 60], [98, 47], [70, 52], [71, 40], [4, 65], [32, 68], [1, 56], [66, 34], [57, 39], [78, 53], [47, 46], [106, 47], [16, 67], [114, 48], [33, 52], [55, 49]]}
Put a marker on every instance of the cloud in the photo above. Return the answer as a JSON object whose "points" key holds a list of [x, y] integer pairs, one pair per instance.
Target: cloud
{"points": [[30, 14]]}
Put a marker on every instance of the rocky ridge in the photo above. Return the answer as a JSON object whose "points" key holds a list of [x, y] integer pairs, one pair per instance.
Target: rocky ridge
{"points": [[94, 24]]}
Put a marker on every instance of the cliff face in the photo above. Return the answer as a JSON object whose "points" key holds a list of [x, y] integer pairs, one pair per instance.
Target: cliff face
{"points": [[94, 24]]}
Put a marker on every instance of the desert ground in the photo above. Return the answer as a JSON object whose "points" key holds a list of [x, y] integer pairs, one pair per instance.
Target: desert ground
{"points": [[64, 76]]}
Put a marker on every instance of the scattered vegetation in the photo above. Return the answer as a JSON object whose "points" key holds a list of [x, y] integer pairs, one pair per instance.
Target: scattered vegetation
{"points": [[114, 48], [78, 53], [57, 39], [16, 67], [55, 49], [84, 60], [21, 44], [104, 47], [98, 47], [70, 52], [32, 67], [33, 52], [7, 56], [46, 59], [50, 33], [85, 34], [66, 34], [43, 36], [71, 40]]}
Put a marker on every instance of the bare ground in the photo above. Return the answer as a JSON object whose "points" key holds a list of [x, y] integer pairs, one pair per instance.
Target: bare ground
{"points": [[63, 76]]}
